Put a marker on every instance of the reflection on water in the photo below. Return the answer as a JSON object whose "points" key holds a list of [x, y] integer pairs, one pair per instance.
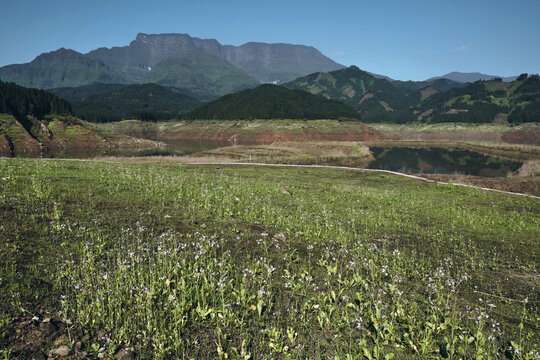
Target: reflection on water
{"points": [[402, 159], [440, 161]]}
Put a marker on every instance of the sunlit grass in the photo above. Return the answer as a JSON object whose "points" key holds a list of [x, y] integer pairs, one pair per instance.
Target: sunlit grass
{"points": [[242, 262]]}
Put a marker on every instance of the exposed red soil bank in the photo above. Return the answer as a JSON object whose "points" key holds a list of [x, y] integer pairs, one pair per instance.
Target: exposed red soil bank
{"points": [[66, 136], [523, 136], [266, 133]]}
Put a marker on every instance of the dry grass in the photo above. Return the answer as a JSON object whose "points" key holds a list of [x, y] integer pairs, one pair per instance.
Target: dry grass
{"points": [[334, 153]]}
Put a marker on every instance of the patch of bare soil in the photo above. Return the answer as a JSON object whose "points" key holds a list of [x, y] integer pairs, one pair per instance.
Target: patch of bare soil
{"points": [[5, 146], [42, 333], [529, 136], [365, 97], [242, 133], [424, 114], [427, 92]]}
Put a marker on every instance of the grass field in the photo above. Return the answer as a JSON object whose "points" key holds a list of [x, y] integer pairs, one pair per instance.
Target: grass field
{"points": [[240, 262]]}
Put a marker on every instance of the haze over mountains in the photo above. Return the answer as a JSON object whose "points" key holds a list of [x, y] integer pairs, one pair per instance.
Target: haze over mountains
{"points": [[205, 66]]}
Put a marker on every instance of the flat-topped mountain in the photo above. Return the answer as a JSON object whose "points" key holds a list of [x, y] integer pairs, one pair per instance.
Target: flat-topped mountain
{"points": [[265, 62]]}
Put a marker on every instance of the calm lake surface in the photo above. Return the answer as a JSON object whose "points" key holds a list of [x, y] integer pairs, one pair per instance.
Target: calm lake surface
{"points": [[440, 161], [401, 159]]}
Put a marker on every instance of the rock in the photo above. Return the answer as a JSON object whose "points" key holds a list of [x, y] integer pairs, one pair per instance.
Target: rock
{"points": [[48, 328], [285, 191], [62, 351], [61, 340], [125, 354]]}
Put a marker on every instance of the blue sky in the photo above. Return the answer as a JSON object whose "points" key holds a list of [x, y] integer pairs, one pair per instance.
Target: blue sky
{"points": [[403, 39]]}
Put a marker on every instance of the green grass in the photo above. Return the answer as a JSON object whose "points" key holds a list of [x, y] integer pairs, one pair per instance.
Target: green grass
{"points": [[252, 262]]}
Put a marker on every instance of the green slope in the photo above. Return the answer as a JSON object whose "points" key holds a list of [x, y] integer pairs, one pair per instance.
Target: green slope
{"points": [[60, 68], [436, 100], [485, 101], [272, 102], [202, 73], [377, 99]]}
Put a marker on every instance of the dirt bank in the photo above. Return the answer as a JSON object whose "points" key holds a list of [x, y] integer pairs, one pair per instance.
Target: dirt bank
{"points": [[256, 132]]}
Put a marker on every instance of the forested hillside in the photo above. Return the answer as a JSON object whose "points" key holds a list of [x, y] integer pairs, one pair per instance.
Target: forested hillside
{"points": [[114, 102], [484, 102], [18, 100], [272, 102], [434, 101]]}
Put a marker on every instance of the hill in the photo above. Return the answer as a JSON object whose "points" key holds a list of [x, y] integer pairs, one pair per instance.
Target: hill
{"points": [[60, 68], [377, 99], [35, 123], [21, 101], [485, 101], [114, 102], [436, 100], [272, 102]]}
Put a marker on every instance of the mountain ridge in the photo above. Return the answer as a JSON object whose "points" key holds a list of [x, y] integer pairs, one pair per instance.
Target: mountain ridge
{"points": [[471, 77]]}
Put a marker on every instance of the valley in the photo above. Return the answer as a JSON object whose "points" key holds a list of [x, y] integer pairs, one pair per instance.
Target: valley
{"points": [[180, 198]]}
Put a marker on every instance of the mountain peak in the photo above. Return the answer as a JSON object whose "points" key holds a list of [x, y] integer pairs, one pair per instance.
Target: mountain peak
{"points": [[62, 53]]}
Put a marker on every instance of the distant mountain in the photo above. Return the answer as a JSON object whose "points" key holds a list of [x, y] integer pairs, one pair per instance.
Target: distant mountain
{"points": [[272, 102], [114, 102], [278, 63], [471, 77], [60, 68], [172, 59], [265, 62], [201, 73], [435, 100], [377, 99], [485, 101]]}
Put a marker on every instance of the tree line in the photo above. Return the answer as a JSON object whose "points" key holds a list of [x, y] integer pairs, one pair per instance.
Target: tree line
{"points": [[18, 100]]}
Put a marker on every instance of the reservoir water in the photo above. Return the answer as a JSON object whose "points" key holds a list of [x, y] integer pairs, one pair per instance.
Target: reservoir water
{"points": [[440, 161]]}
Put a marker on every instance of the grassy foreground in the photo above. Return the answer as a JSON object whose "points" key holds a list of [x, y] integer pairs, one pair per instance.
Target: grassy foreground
{"points": [[167, 260]]}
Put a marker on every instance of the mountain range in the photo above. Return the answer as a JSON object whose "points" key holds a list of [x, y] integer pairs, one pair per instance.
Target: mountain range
{"points": [[172, 73], [202, 65], [435, 100]]}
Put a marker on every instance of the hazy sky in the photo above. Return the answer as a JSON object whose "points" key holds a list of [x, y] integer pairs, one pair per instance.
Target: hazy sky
{"points": [[403, 39]]}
